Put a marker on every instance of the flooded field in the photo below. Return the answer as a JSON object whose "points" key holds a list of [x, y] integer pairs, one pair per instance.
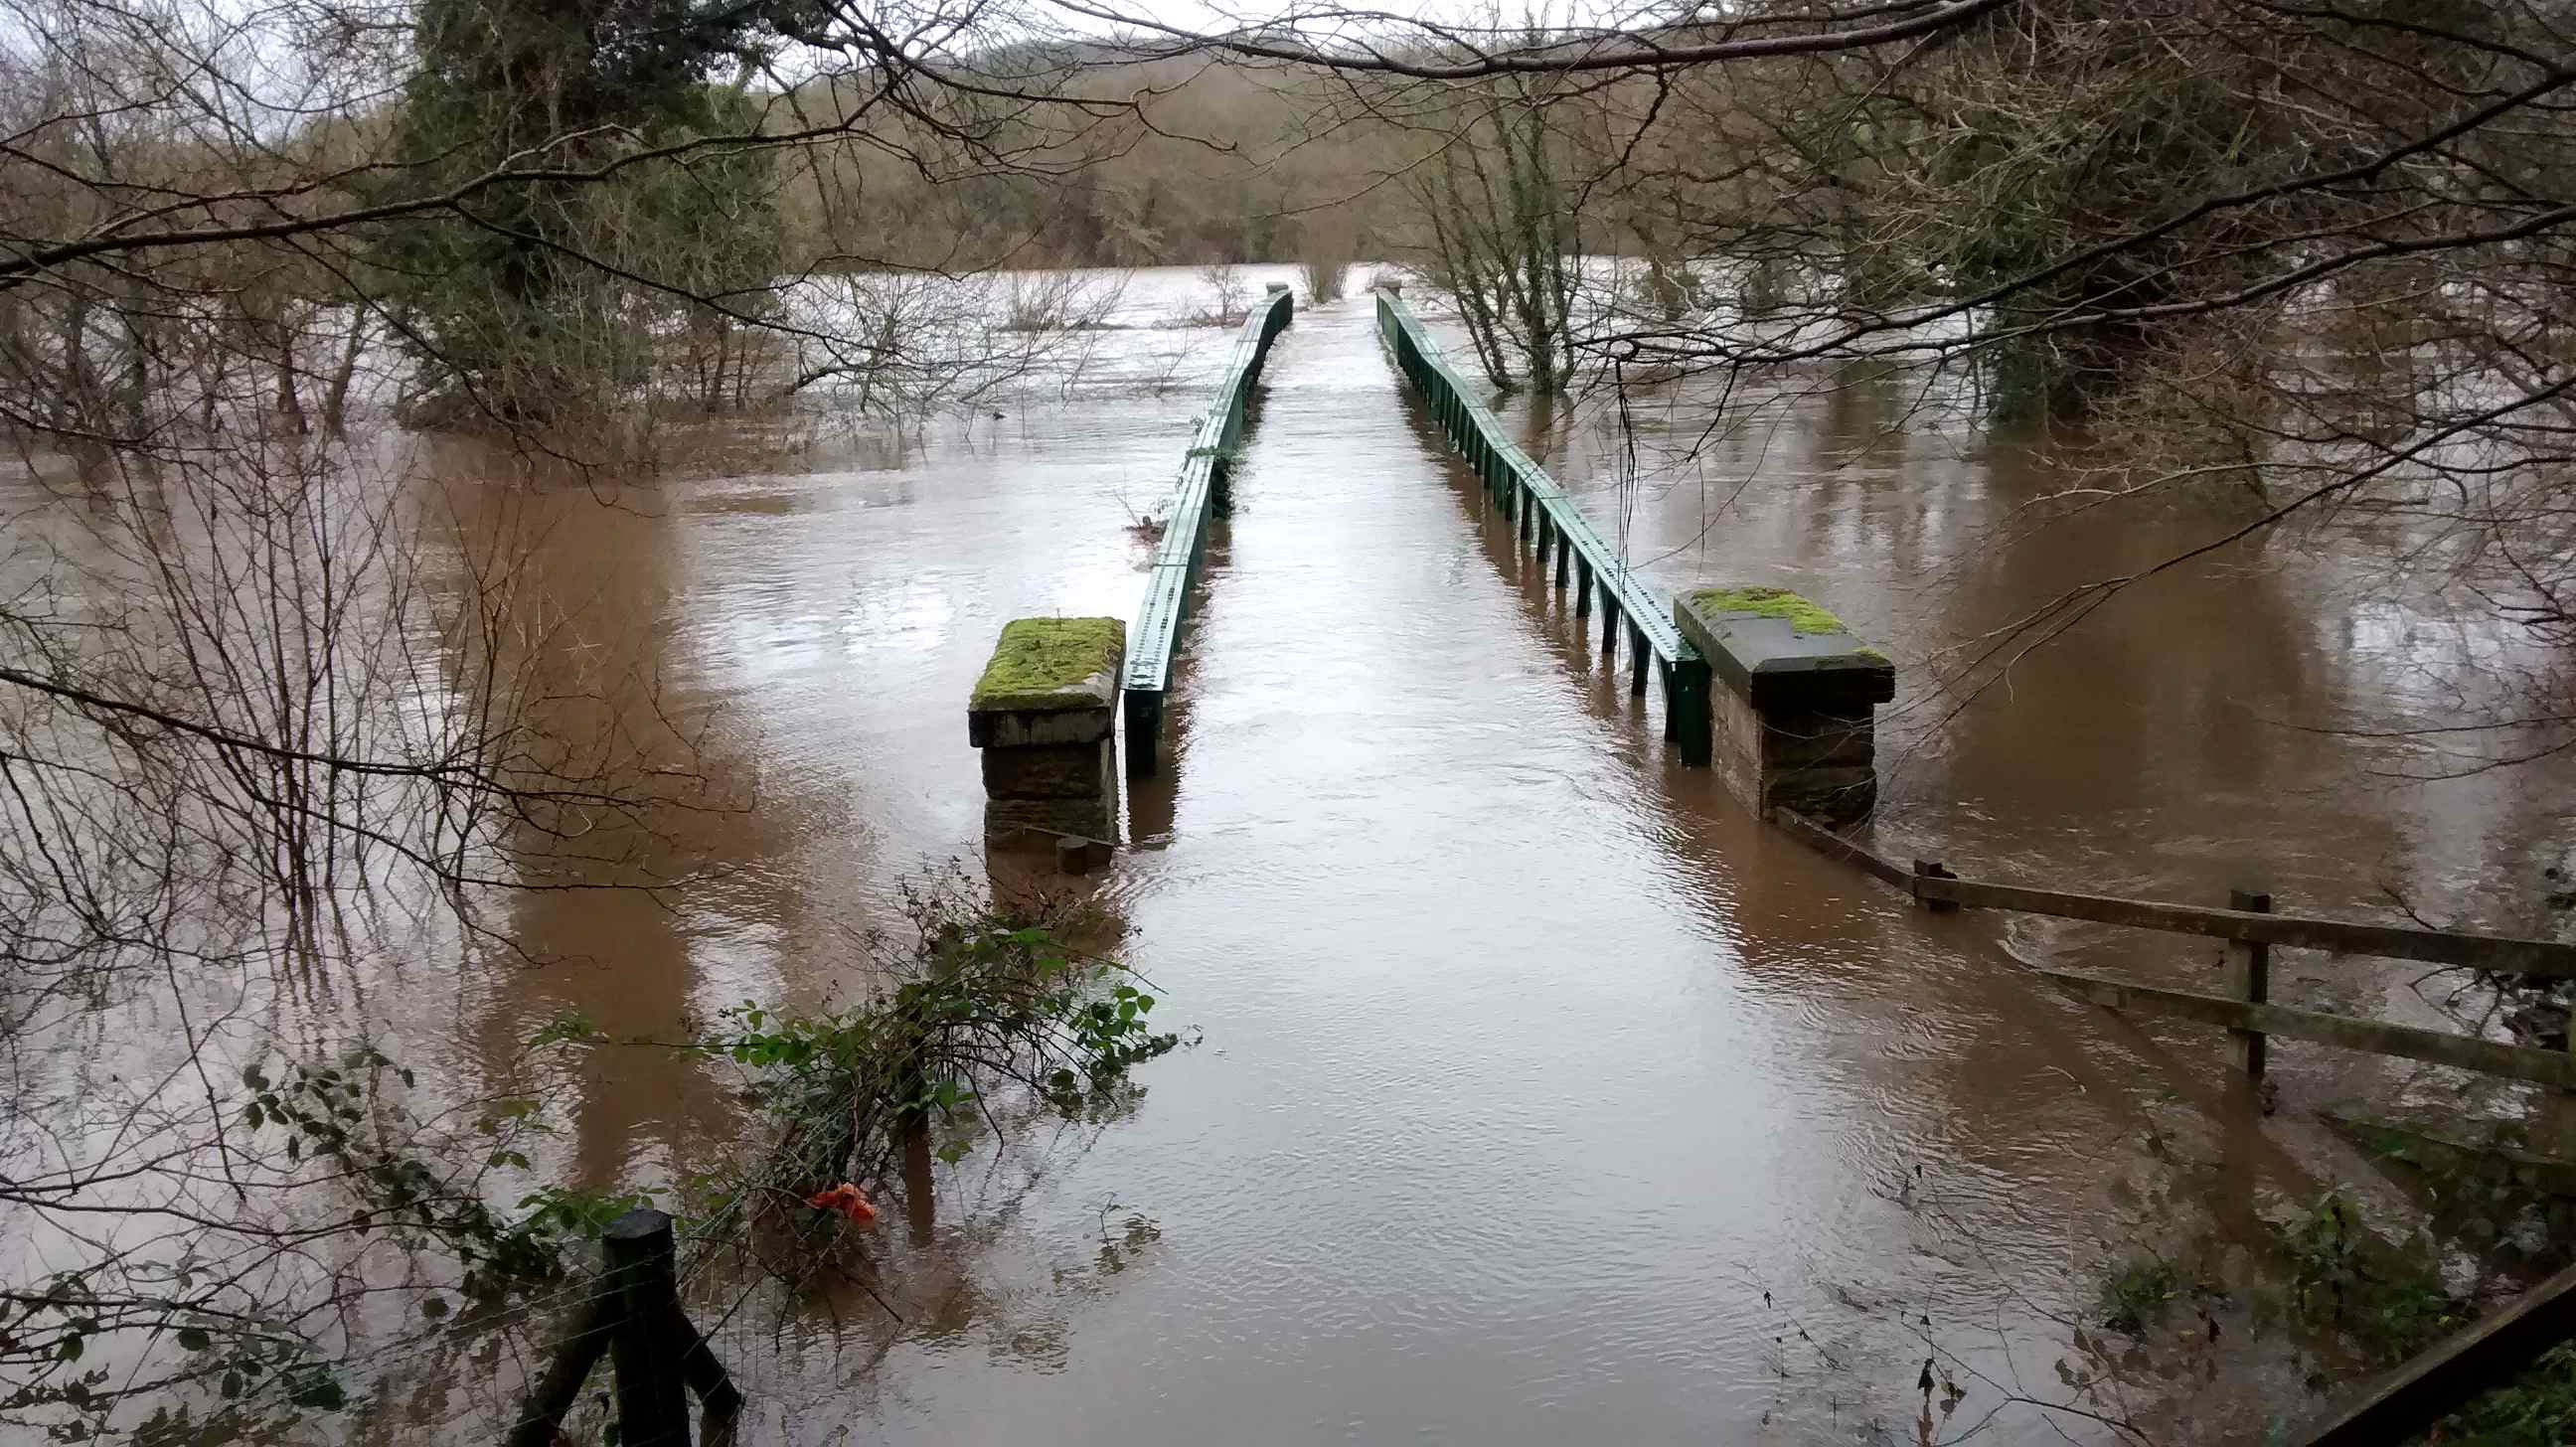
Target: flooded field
{"points": [[1534, 1091]]}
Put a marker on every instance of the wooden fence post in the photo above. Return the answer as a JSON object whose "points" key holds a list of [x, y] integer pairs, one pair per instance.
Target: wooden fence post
{"points": [[635, 1320], [1934, 869], [2249, 978], [643, 1270], [554, 1394]]}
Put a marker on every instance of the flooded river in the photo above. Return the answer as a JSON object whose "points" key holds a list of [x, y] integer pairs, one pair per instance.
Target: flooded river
{"points": [[1538, 1094]]}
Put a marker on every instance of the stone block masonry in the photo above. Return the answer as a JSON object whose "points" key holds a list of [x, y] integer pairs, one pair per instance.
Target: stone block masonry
{"points": [[1043, 714], [1793, 703]]}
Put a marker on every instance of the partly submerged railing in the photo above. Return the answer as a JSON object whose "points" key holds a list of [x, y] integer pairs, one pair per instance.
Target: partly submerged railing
{"points": [[1150, 644], [1532, 504]]}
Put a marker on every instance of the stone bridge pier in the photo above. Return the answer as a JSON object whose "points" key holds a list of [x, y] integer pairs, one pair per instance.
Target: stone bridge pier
{"points": [[1793, 701], [1044, 714]]}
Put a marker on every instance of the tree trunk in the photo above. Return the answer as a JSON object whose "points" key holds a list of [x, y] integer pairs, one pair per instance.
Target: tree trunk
{"points": [[290, 403], [335, 402]]}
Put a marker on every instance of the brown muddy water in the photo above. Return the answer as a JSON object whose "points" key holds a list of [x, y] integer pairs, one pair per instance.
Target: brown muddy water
{"points": [[1539, 1093]]}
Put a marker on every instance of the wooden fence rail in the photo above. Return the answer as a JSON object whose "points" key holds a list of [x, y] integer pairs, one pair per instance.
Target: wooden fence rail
{"points": [[2286, 931], [1540, 513], [2252, 929], [2475, 1360], [2478, 1359]]}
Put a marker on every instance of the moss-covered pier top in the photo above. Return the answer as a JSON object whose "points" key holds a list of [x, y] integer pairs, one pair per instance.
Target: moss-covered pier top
{"points": [[1051, 664], [1793, 702], [1779, 649]]}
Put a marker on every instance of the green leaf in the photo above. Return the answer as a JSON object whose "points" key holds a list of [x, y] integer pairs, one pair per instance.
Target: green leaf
{"points": [[194, 1339]]}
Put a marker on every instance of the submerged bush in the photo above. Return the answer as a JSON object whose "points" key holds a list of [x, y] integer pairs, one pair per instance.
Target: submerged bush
{"points": [[988, 1003]]}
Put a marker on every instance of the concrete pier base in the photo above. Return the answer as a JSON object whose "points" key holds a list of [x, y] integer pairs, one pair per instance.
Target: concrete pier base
{"points": [[1043, 714], [1792, 703]]}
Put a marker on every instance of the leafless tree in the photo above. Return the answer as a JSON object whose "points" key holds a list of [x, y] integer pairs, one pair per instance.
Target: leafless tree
{"points": [[1327, 247], [1230, 295]]}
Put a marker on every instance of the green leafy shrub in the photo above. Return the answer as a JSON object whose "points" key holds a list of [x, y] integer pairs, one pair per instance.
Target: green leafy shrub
{"points": [[987, 1003], [2135, 1295]]}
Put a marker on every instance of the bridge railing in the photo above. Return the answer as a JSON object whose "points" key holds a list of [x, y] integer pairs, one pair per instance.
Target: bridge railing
{"points": [[1538, 510], [1150, 644]]}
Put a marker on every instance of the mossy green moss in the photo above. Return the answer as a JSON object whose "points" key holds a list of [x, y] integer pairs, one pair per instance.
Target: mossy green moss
{"points": [[1803, 616], [1037, 659]]}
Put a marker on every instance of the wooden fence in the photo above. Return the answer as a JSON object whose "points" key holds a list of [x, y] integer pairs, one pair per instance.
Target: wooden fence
{"points": [[2252, 929], [2476, 1360]]}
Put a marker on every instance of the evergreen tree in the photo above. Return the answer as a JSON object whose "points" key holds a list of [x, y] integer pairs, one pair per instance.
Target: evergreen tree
{"points": [[540, 286]]}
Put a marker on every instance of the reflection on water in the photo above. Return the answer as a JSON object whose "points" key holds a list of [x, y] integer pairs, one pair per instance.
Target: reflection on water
{"points": [[1544, 1095]]}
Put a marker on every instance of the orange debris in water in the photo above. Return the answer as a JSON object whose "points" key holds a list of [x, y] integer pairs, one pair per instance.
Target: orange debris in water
{"points": [[845, 1198]]}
